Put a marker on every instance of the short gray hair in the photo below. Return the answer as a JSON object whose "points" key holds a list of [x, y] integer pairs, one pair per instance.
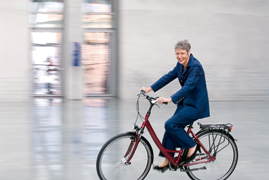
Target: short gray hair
{"points": [[185, 45]]}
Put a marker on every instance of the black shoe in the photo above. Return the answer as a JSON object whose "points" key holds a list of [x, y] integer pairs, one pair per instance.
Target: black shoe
{"points": [[189, 159], [162, 169]]}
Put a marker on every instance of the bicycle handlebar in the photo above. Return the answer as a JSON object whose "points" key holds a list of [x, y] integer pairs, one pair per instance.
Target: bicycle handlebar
{"points": [[152, 100]]}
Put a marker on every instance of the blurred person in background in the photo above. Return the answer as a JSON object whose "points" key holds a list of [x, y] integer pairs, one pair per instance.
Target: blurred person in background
{"points": [[51, 72], [191, 100]]}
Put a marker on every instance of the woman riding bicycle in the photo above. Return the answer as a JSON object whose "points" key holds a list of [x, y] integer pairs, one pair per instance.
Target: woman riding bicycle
{"points": [[192, 102]]}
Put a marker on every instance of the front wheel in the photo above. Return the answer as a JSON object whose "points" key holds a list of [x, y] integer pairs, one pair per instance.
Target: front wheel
{"points": [[221, 146], [111, 159]]}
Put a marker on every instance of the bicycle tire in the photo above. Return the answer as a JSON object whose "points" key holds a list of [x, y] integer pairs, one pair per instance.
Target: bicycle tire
{"points": [[109, 163], [226, 159]]}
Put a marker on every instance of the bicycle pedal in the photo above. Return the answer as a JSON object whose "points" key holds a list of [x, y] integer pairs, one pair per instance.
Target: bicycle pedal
{"points": [[194, 169]]}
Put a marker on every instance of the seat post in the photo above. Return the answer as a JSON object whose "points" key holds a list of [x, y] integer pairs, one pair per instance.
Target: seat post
{"points": [[191, 125]]}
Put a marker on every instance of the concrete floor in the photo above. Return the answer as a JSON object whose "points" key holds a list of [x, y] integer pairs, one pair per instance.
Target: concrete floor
{"points": [[54, 140]]}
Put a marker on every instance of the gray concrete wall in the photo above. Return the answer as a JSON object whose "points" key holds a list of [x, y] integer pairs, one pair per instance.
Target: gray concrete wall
{"points": [[15, 68], [15, 82], [230, 38], [72, 75]]}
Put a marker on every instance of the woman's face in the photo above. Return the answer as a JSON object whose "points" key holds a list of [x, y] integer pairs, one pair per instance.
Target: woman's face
{"points": [[183, 56]]}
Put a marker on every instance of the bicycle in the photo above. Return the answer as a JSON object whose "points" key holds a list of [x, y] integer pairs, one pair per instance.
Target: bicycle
{"points": [[129, 155]]}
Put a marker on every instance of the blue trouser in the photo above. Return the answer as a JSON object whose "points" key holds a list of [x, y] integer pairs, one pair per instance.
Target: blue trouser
{"points": [[175, 135]]}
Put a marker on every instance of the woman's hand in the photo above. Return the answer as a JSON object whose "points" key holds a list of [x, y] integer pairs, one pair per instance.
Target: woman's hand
{"points": [[161, 100], [146, 89]]}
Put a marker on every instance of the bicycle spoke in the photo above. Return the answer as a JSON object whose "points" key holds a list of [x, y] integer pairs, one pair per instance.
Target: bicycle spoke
{"points": [[224, 149], [111, 164]]}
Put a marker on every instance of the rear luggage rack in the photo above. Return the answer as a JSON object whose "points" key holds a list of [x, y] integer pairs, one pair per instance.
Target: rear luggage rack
{"points": [[226, 127]]}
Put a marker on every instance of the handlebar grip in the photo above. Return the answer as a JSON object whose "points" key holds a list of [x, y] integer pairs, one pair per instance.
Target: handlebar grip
{"points": [[165, 103]]}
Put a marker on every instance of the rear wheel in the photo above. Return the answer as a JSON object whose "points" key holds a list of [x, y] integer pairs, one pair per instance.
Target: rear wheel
{"points": [[113, 155], [221, 146]]}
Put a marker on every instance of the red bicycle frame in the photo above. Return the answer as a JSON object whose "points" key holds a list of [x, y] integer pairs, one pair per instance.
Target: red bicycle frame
{"points": [[167, 152]]}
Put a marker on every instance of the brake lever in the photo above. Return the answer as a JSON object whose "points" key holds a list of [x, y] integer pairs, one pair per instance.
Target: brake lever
{"points": [[155, 102]]}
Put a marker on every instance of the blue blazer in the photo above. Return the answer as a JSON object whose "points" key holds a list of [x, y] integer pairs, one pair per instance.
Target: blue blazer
{"points": [[192, 99]]}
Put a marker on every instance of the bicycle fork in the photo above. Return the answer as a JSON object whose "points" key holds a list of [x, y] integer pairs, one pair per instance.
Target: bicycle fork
{"points": [[131, 150]]}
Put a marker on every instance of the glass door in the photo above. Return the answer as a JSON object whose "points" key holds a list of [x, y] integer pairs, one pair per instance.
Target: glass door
{"points": [[96, 60], [46, 63], [98, 48], [46, 23]]}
